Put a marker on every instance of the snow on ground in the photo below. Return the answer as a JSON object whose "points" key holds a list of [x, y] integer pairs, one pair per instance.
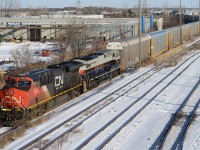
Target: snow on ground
{"points": [[2, 130], [144, 129], [192, 140], [84, 101], [150, 122], [6, 49]]}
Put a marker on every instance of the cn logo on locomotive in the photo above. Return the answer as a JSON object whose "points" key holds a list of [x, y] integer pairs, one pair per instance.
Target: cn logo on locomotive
{"points": [[59, 80]]}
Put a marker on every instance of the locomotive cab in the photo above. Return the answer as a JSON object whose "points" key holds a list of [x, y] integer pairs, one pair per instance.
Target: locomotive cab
{"points": [[14, 92]]}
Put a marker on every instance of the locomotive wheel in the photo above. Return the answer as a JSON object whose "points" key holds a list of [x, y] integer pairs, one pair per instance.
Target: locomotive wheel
{"points": [[44, 108], [78, 93], [9, 122], [74, 94]]}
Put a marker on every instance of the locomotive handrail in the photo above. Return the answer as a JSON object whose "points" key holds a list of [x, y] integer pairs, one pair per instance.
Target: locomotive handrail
{"points": [[55, 96]]}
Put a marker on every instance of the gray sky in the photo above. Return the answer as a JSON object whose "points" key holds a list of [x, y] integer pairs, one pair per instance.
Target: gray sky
{"points": [[103, 3]]}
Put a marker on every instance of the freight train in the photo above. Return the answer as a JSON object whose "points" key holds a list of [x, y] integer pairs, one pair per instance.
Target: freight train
{"points": [[31, 94], [187, 18]]}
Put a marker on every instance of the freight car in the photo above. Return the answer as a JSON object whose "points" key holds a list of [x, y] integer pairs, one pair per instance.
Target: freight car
{"points": [[32, 93], [159, 42], [190, 18], [173, 37], [187, 18], [128, 51], [152, 44]]}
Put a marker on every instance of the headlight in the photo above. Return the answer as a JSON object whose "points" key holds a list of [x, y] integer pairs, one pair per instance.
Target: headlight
{"points": [[11, 92], [1, 106]]}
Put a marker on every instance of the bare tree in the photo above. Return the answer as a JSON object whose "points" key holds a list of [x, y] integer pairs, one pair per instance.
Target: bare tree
{"points": [[1, 6], [8, 5], [78, 44], [79, 40], [145, 8], [72, 39], [64, 39], [165, 7], [40, 11], [97, 44], [23, 59]]}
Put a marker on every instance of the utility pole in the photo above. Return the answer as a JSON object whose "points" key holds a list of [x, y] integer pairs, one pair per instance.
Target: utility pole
{"points": [[139, 32], [199, 17], [145, 3], [180, 21], [145, 11]]}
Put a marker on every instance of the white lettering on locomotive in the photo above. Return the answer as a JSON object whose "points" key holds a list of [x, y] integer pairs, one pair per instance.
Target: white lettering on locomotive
{"points": [[59, 80]]}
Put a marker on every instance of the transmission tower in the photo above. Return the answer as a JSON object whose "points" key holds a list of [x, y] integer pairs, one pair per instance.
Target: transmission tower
{"points": [[144, 3], [78, 4]]}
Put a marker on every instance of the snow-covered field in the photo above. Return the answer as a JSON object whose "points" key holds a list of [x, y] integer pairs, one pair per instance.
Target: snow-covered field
{"points": [[7, 48]]}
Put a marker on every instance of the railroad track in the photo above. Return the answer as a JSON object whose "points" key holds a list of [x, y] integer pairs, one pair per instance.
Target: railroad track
{"points": [[109, 101], [5, 130], [160, 141], [112, 135], [103, 106], [96, 106], [179, 141]]}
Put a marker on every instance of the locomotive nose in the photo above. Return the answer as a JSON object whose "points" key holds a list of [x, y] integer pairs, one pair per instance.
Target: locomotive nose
{"points": [[9, 92], [7, 101]]}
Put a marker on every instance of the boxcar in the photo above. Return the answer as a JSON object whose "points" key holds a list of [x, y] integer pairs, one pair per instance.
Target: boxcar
{"points": [[129, 50], [195, 29], [186, 32], [159, 42], [173, 37]]}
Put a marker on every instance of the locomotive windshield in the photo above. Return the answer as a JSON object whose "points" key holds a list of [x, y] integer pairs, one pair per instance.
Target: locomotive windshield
{"points": [[10, 82], [24, 83]]}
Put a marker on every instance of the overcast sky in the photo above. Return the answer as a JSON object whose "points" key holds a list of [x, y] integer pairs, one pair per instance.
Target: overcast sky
{"points": [[103, 3]]}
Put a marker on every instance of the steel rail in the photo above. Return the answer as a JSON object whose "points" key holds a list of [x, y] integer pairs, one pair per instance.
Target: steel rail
{"points": [[127, 108], [179, 141], [89, 107], [69, 130], [64, 122], [158, 144], [7, 131]]}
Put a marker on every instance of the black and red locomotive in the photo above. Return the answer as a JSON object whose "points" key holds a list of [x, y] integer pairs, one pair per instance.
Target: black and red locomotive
{"points": [[30, 94]]}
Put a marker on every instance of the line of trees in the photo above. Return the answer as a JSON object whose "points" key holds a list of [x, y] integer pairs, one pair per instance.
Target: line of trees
{"points": [[74, 41], [6, 7]]}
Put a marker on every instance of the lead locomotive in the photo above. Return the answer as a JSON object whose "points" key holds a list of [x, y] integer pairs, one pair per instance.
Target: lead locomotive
{"points": [[30, 94]]}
